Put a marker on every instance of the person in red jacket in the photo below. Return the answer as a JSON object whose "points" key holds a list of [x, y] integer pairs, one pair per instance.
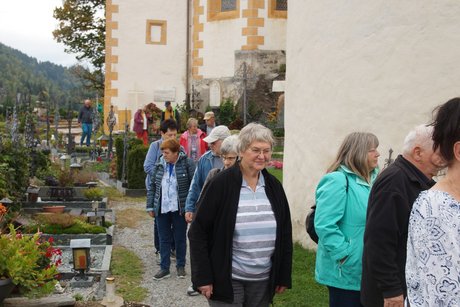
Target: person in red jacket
{"points": [[192, 140], [141, 126]]}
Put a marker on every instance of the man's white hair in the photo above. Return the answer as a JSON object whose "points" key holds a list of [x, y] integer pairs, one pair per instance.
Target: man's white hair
{"points": [[419, 136]]}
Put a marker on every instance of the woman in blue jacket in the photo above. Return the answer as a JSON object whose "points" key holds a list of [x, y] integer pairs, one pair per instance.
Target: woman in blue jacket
{"points": [[341, 200], [166, 201]]}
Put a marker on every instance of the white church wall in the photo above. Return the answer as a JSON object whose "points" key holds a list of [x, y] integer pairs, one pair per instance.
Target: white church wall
{"points": [[274, 32], [377, 66], [149, 68], [221, 38]]}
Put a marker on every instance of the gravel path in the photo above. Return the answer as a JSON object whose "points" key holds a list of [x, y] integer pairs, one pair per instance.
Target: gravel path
{"points": [[166, 292]]}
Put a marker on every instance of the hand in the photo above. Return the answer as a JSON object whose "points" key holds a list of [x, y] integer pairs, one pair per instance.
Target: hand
{"points": [[152, 214], [397, 301], [280, 289], [188, 217], [206, 290]]}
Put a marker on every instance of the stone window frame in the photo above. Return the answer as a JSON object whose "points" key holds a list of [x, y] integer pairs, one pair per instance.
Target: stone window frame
{"points": [[214, 8], [148, 32], [273, 12]]}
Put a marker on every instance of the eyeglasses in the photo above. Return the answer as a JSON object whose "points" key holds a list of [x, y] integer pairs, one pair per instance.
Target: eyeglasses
{"points": [[224, 158], [257, 151]]}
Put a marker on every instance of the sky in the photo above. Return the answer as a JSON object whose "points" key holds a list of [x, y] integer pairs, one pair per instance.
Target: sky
{"points": [[27, 25]]}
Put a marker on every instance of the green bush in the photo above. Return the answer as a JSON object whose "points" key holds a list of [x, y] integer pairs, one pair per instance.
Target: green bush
{"points": [[14, 177], [77, 228], [40, 161], [132, 143], [94, 193], [135, 167], [227, 112]]}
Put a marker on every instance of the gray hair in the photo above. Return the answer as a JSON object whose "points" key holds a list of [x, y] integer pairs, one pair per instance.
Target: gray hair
{"points": [[254, 132], [229, 145], [192, 122], [419, 136]]}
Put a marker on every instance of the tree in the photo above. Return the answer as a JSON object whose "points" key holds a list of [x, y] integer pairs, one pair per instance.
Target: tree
{"points": [[81, 29]]}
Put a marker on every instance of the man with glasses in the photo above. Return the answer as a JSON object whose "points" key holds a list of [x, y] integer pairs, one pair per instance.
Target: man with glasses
{"points": [[211, 159]]}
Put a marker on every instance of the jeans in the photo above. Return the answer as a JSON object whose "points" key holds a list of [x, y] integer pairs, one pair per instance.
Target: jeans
{"points": [[179, 228], [156, 239], [247, 293], [86, 132], [343, 298]]}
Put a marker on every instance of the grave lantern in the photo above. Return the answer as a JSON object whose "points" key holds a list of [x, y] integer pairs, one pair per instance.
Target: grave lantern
{"points": [[81, 257], [63, 159]]}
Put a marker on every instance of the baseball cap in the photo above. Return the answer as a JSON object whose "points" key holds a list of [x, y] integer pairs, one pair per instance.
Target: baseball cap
{"points": [[208, 115], [218, 133]]}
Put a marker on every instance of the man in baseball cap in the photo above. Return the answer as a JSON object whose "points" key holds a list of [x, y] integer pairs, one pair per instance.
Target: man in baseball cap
{"points": [[210, 122]]}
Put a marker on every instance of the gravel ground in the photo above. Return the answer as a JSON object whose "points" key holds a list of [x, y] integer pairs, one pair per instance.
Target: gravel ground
{"points": [[166, 292]]}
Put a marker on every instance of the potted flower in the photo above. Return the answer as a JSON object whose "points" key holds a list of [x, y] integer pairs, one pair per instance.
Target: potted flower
{"points": [[28, 262]]}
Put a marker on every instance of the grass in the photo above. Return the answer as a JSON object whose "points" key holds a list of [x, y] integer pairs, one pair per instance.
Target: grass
{"points": [[305, 290], [131, 218], [113, 194], [116, 195], [278, 173], [103, 166], [127, 269]]}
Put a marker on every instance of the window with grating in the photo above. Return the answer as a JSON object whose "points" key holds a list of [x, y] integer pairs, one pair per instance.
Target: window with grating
{"points": [[228, 5], [281, 5]]}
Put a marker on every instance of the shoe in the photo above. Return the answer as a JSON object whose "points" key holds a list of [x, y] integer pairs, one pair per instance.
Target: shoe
{"points": [[161, 274], [181, 272], [192, 292]]}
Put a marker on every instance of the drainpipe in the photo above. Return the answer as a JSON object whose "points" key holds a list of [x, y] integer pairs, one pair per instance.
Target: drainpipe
{"points": [[187, 61]]}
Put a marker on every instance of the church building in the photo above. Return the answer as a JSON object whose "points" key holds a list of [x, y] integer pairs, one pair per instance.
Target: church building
{"points": [[195, 51]]}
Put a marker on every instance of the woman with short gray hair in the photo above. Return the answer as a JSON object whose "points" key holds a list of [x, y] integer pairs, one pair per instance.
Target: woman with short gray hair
{"points": [[228, 154], [231, 265], [192, 140]]}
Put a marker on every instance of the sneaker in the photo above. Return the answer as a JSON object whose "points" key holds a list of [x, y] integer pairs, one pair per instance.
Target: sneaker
{"points": [[192, 292], [161, 274], [181, 272]]}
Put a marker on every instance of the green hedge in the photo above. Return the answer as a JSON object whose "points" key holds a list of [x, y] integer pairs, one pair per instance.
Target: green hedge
{"points": [[135, 167], [132, 143]]}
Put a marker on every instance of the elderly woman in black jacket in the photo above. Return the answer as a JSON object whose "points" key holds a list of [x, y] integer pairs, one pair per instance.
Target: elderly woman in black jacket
{"points": [[241, 237]]}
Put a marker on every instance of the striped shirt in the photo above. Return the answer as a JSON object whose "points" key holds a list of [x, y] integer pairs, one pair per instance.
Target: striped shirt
{"points": [[255, 234]]}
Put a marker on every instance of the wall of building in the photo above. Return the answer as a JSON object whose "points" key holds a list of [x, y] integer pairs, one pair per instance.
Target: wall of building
{"points": [[377, 66], [147, 68], [252, 35], [220, 39]]}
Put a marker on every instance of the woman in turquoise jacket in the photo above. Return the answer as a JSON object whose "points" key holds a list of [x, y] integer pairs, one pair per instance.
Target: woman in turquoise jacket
{"points": [[341, 205]]}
